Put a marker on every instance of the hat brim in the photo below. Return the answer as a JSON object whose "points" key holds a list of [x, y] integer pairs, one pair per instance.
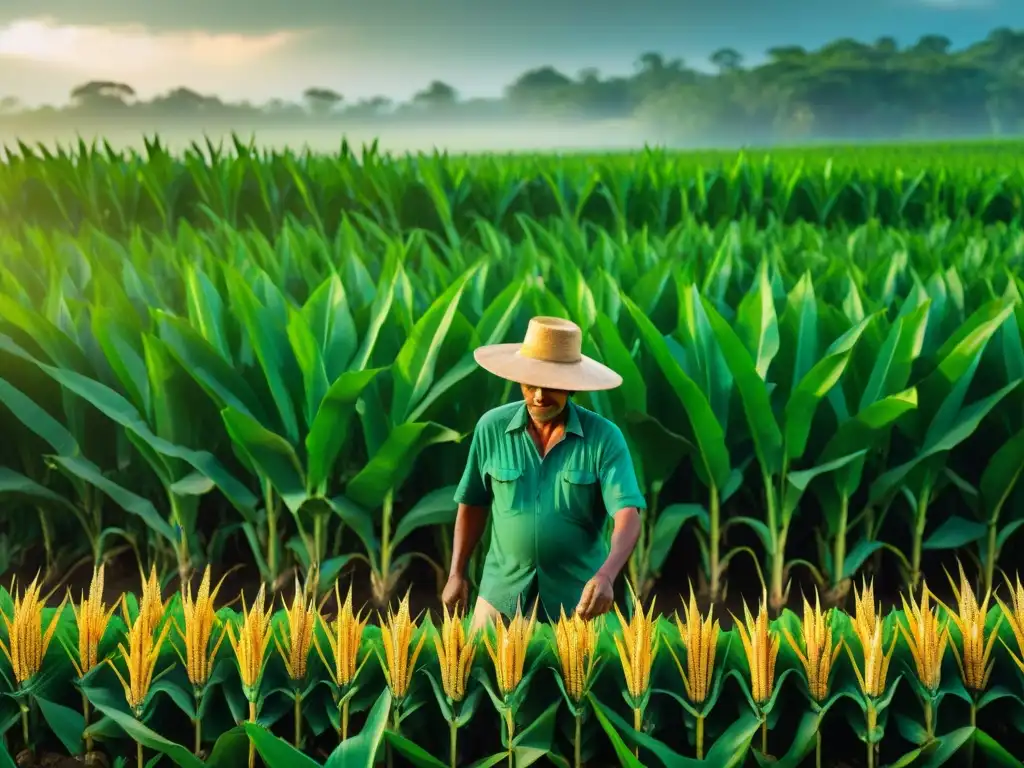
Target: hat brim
{"points": [[586, 375]]}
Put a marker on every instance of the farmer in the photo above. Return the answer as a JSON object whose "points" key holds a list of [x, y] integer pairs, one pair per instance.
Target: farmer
{"points": [[548, 472]]}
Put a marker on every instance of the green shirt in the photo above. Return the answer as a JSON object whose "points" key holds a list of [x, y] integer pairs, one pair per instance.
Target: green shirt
{"points": [[547, 514]]}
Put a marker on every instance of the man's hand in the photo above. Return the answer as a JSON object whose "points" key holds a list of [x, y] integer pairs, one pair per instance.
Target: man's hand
{"points": [[456, 592], [597, 598]]}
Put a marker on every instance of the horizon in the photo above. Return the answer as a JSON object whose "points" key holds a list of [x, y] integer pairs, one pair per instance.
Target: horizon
{"points": [[258, 51]]}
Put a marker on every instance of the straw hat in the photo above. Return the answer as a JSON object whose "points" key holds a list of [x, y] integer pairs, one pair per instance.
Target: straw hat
{"points": [[550, 356]]}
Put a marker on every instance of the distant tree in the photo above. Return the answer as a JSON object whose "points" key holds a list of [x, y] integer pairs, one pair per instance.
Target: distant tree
{"points": [[727, 60], [539, 87], [437, 94], [184, 101], [322, 101], [933, 44], [102, 94], [9, 104]]}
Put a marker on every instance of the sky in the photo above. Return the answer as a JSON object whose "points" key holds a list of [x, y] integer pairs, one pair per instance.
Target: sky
{"points": [[261, 49]]}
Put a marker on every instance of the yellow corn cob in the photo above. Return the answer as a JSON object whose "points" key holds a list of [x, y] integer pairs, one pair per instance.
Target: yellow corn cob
{"points": [[818, 655], [455, 652], [637, 644], [396, 637], [761, 648], [140, 657], [511, 644], [296, 641], [974, 663], [250, 644], [576, 646], [700, 639], [343, 639], [199, 618], [926, 638], [151, 605], [91, 620], [867, 626], [27, 641]]}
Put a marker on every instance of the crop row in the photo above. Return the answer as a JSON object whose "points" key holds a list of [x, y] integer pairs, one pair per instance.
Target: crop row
{"points": [[816, 402], [87, 674], [68, 188]]}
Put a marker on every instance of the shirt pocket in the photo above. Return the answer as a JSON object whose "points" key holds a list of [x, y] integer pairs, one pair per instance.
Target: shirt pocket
{"points": [[579, 492], [506, 490]]}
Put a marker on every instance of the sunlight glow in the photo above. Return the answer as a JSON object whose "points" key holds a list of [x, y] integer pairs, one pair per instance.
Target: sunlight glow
{"points": [[126, 51]]}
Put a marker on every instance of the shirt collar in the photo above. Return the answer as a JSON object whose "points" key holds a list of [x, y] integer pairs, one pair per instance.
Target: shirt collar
{"points": [[572, 422]]}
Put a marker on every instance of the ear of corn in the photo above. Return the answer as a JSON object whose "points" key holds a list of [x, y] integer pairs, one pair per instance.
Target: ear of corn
{"points": [[926, 637], [455, 652], [250, 644], [296, 636], [199, 618], [868, 629], [700, 641], [27, 638], [761, 648], [400, 656], [91, 620], [576, 647], [151, 604], [974, 660], [637, 644], [140, 656], [511, 645], [344, 637], [818, 654]]}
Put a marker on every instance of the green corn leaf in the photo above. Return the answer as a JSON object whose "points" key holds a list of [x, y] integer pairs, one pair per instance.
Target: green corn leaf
{"points": [[330, 426], [753, 392], [713, 467], [388, 468], [271, 454], [276, 752], [436, 508]]}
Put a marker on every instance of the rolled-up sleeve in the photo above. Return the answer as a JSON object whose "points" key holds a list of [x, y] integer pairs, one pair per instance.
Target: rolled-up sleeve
{"points": [[619, 487], [472, 489]]}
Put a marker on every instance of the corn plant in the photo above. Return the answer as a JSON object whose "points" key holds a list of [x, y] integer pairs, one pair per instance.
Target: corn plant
{"points": [[817, 648], [872, 673], [26, 645], [92, 619], [927, 638], [250, 643], [456, 650], [576, 651], [702, 682], [343, 639], [509, 651]]}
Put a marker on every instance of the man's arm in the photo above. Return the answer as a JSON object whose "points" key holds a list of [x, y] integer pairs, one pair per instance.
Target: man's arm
{"points": [[624, 537], [470, 522], [469, 526], [599, 593], [621, 493], [473, 498]]}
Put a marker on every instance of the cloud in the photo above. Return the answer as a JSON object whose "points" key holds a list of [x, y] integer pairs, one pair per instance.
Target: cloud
{"points": [[133, 51]]}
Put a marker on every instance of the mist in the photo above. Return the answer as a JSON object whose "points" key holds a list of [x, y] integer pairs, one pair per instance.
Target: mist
{"points": [[454, 136], [535, 134]]}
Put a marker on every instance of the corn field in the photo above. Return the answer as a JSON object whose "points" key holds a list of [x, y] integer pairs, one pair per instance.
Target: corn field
{"points": [[262, 362]]}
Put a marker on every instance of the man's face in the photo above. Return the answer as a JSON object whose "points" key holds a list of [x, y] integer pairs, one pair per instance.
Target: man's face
{"points": [[544, 405]]}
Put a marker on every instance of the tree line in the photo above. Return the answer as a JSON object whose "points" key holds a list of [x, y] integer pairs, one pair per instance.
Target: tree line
{"points": [[844, 89]]}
